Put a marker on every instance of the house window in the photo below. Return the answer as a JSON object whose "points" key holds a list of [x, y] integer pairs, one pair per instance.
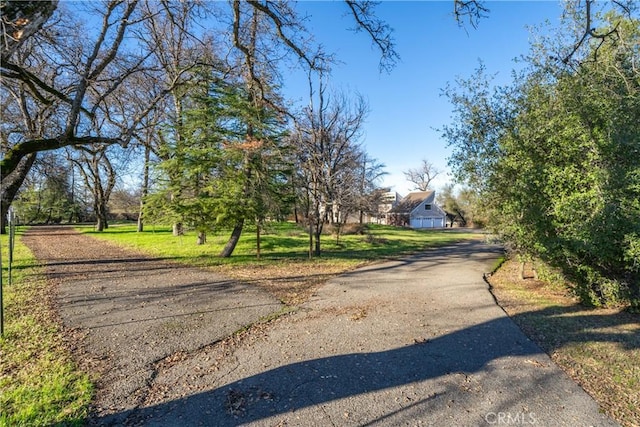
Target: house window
{"points": [[427, 207]]}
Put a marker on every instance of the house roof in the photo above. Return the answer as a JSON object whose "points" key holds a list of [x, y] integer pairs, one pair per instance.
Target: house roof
{"points": [[412, 201]]}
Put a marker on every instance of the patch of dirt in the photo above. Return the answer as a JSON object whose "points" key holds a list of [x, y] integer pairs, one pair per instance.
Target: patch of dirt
{"points": [[508, 287], [292, 282]]}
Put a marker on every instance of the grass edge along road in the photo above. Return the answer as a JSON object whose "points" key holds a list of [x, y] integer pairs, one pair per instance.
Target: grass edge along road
{"points": [[40, 385], [598, 347]]}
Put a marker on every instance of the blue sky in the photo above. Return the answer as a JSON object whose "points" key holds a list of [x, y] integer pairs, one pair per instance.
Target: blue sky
{"points": [[406, 104]]}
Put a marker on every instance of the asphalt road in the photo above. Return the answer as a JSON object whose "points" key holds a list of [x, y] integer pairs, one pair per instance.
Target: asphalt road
{"points": [[418, 341]]}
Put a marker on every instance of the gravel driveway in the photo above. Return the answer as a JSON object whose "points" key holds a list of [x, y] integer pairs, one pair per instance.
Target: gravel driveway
{"points": [[418, 341]]}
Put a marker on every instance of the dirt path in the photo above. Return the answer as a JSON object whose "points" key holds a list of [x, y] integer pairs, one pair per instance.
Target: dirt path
{"points": [[135, 313], [418, 341]]}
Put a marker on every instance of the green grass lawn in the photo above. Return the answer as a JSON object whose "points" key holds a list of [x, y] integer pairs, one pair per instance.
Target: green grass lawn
{"points": [[39, 383], [279, 241]]}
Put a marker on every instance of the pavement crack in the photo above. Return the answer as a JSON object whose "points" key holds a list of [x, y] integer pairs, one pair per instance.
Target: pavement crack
{"points": [[324, 410]]}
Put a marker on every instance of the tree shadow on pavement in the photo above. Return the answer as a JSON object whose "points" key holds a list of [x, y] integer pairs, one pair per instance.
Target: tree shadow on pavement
{"points": [[452, 374]]}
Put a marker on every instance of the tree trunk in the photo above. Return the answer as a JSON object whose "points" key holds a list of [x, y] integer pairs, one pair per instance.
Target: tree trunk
{"points": [[140, 227], [100, 209], [202, 238], [233, 240], [338, 229], [100, 224], [178, 229], [258, 240], [316, 251], [320, 221], [310, 238], [74, 208], [10, 186], [145, 187], [316, 223]]}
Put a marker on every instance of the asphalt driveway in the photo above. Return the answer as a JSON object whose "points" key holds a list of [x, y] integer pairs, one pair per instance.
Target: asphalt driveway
{"points": [[418, 341]]}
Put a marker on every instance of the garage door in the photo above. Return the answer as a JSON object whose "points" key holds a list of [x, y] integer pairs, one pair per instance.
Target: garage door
{"points": [[427, 222]]}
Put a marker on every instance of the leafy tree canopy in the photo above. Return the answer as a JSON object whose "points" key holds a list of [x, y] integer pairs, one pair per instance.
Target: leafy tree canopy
{"points": [[556, 157]]}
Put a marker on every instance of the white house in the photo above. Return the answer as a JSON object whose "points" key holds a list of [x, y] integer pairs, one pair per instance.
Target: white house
{"points": [[418, 210]]}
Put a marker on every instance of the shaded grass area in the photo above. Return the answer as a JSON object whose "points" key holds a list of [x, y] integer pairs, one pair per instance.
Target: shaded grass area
{"points": [[39, 383], [284, 268], [599, 348]]}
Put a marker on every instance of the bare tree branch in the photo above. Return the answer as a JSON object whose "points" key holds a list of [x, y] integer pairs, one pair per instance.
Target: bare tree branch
{"points": [[423, 176], [472, 10], [13, 71], [90, 73], [18, 151], [378, 30], [315, 62], [591, 33]]}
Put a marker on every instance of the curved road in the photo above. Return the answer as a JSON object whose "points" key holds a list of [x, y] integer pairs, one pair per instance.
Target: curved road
{"points": [[418, 341]]}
